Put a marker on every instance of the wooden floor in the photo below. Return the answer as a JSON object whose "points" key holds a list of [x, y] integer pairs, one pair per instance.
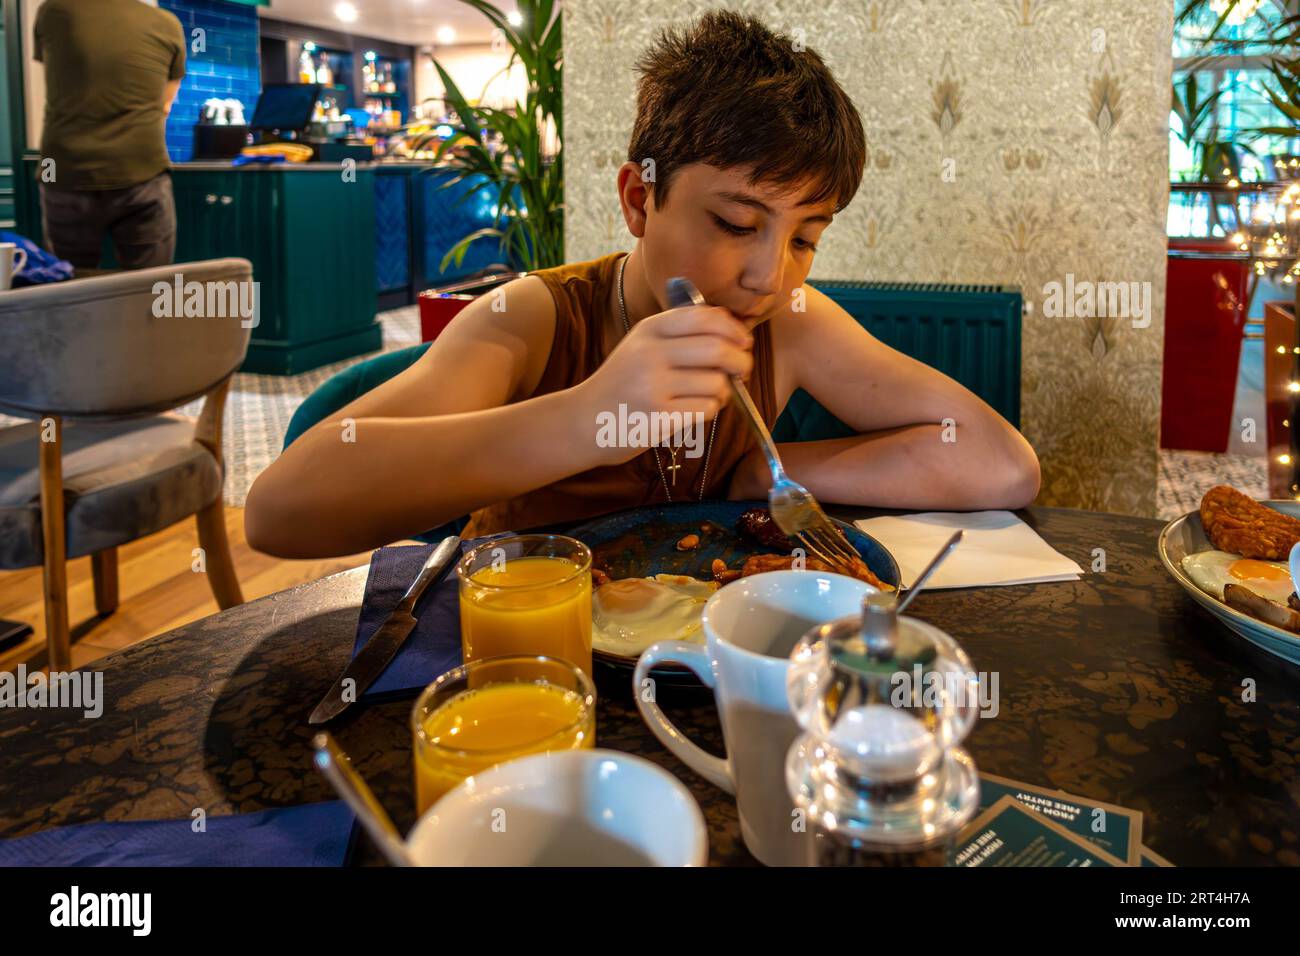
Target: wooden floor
{"points": [[158, 590]]}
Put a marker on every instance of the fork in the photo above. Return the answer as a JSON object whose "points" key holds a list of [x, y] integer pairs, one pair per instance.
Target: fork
{"points": [[793, 508]]}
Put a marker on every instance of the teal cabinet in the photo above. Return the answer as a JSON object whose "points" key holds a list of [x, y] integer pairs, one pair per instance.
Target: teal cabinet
{"points": [[309, 232], [7, 216]]}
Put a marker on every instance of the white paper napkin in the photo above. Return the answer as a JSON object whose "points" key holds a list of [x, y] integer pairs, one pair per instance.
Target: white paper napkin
{"points": [[997, 549]]}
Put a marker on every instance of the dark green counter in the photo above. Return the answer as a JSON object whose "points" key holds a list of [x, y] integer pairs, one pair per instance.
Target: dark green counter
{"points": [[309, 231]]}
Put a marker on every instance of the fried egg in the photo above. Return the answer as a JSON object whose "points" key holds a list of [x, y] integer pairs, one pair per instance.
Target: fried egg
{"points": [[630, 614], [1211, 570]]}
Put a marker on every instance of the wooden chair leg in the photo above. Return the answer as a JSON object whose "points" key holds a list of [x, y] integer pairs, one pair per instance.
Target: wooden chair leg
{"points": [[55, 544], [103, 568], [216, 554], [212, 519]]}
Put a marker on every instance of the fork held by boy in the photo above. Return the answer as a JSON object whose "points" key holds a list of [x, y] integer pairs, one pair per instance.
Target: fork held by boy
{"points": [[793, 508]]}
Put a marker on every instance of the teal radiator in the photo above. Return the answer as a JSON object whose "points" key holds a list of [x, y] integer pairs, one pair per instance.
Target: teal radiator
{"points": [[969, 332]]}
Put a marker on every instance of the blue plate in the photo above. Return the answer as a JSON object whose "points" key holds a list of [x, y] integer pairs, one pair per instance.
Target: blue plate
{"points": [[643, 541]]}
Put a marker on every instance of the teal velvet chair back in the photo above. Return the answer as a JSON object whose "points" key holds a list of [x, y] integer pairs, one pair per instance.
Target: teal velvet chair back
{"points": [[349, 385]]}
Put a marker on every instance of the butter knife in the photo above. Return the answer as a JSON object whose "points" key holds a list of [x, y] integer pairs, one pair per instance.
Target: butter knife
{"points": [[385, 642]]}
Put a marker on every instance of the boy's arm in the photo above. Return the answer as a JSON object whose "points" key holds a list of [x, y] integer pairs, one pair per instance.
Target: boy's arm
{"points": [[925, 441], [431, 444]]}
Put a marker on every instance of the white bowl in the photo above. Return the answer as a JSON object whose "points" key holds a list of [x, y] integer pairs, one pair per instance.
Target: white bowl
{"points": [[1184, 536], [566, 808]]}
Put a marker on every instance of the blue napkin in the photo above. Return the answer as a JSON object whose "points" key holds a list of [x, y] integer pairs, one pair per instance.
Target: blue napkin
{"points": [[41, 266], [313, 834], [433, 648]]}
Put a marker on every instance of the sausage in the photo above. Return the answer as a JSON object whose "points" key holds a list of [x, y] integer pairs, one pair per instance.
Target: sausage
{"points": [[757, 525]]}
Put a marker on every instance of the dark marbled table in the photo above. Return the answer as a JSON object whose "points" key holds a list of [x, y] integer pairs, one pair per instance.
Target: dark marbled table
{"points": [[1115, 687]]}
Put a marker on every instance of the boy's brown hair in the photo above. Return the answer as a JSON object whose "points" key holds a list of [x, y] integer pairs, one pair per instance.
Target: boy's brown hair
{"points": [[726, 91]]}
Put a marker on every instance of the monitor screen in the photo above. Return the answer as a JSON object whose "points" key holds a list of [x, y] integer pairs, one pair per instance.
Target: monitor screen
{"points": [[285, 106]]}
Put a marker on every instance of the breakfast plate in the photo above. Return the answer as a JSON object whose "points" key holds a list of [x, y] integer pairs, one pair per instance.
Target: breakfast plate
{"points": [[1185, 536], [642, 543]]}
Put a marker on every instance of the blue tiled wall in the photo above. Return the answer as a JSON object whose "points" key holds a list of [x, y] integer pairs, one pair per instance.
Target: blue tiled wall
{"points": [[227, 68]]}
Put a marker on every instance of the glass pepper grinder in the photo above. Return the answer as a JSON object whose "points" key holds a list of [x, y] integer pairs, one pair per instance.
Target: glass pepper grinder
{"points": [[883, 702]]}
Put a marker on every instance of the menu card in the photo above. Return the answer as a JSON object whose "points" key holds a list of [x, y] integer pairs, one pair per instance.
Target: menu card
{"points": [[1010, 834], [1117, 830]]}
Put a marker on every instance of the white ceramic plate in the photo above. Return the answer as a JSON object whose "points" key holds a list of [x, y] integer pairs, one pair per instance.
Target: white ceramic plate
{"points": [[1184, 536]]}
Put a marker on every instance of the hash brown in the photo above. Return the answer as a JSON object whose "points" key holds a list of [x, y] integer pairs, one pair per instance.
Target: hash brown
{"points": [[1239, 524]]}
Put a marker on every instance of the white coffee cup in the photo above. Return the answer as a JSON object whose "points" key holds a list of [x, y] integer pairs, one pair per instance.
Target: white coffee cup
{"points": [[10, 251], [750, 628], [564, 808]]}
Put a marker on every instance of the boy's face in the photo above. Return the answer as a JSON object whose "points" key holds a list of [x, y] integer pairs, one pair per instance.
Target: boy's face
{"points": [[745, 247]]}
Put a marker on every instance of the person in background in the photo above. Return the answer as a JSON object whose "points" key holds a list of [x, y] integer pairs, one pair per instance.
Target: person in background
{"points": [[112, 69]]}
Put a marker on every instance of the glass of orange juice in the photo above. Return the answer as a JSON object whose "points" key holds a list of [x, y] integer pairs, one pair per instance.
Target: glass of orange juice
{"points": [[489, 711], [527, 594]]}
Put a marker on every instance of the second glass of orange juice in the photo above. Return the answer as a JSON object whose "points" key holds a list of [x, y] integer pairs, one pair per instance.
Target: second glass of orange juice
{"points": [[527, 594], [481, 714]]}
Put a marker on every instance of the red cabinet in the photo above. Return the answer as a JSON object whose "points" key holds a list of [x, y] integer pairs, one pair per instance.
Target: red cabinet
{"points": [[1205, 317]]}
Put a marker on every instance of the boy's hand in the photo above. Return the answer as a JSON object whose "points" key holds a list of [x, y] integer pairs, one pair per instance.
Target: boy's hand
{"points": [[675, 361]]}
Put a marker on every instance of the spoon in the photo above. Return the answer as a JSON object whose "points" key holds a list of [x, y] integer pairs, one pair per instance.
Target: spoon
{"points": [[333, 763], [937, 560]]}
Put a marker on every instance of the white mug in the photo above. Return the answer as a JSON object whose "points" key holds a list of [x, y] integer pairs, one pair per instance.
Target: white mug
{"points": [[8, 269], [564, 808], [750, 628]]}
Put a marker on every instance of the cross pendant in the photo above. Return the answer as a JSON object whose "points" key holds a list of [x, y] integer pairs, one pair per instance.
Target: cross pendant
{"points": [[674, 467]]}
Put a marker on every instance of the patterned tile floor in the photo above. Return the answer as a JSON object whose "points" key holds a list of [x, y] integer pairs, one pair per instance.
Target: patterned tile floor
{"points": [[1187, 475], [259, 408]]}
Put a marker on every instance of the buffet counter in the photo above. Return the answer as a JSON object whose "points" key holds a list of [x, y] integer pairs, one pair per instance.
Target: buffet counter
{"points": [[330, 243]]}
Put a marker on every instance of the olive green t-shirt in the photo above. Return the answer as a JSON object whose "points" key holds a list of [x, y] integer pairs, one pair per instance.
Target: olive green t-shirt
{"points": [[107, 64]]}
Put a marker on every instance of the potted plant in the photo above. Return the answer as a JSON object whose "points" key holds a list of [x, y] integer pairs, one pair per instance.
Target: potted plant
{"points": [[1278, 47], [516, 152], [1194, 112]]}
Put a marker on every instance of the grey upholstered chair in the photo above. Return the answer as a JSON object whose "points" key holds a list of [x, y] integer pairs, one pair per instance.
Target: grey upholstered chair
{"points": [[99, 363]]}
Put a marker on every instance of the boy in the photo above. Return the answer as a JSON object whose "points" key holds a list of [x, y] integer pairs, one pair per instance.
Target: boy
{"points": [[754, 148]]}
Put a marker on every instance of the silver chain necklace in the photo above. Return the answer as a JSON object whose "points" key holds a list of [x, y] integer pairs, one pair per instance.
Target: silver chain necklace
{"points": [[708, 449]]}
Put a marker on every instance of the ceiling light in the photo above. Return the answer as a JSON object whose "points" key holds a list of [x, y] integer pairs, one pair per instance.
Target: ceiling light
{"points": [[345, 12], [446, 35], [514, 18]]}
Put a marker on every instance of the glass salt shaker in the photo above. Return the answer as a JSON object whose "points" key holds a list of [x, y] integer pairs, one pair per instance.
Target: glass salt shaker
{"points": [[883, 702]]}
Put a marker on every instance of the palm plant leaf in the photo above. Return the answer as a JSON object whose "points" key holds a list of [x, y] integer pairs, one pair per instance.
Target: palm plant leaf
{"points": [[529, 184], [1279, 49]]}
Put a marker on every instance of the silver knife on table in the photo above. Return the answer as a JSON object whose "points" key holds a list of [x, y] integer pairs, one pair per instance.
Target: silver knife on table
{"points": [[384, 643]]}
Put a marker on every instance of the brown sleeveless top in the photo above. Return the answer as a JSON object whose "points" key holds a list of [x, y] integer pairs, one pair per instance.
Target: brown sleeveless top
{"points": [[581, 292]]}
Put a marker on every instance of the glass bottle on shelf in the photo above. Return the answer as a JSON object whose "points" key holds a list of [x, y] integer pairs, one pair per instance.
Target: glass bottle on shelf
{"points": [[306, 69], [325, 75]]}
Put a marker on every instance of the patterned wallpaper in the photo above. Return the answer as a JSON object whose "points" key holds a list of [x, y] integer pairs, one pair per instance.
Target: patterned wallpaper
{"points": [[1010, 141]]}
